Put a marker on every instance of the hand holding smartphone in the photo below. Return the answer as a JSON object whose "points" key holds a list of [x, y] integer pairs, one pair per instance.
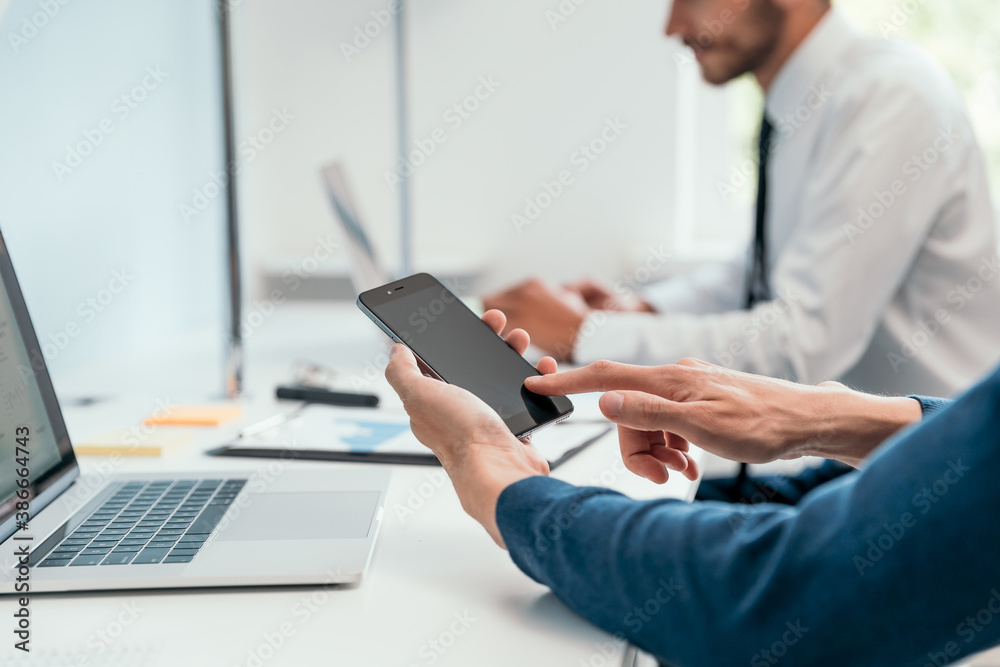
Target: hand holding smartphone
{"points": [[461, 349]]}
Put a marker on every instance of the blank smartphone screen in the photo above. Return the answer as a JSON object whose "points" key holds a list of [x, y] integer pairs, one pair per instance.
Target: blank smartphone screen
{"points": [[463, 350]]}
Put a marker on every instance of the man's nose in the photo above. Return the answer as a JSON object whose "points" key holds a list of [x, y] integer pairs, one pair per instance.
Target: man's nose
{"points": [[676, 24]]}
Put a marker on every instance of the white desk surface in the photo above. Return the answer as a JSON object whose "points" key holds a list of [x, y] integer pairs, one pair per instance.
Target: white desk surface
{"points": [[438, 591]]}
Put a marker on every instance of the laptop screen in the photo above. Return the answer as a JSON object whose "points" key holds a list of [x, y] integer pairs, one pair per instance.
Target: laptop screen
{"points": [[34, 447], [366, 273]]}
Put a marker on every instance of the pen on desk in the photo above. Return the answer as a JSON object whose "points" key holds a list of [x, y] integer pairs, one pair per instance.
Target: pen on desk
{"points": [[267, 424], [316, 395]]}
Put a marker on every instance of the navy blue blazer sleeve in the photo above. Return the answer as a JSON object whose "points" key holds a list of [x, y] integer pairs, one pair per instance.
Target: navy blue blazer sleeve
{"points": [[894, 565], [930, 405]]}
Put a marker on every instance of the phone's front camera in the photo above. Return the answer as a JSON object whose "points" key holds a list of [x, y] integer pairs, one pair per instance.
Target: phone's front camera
{"points": [[388, 291]]}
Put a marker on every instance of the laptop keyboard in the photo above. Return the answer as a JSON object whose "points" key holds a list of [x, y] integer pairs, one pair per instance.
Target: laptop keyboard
{"points": [[148, 522]]}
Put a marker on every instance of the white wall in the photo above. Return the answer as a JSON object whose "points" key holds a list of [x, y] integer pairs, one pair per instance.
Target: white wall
{"points": [[558, 85], [117, 211]]}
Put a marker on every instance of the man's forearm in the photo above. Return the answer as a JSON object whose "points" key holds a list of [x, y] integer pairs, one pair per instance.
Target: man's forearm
{"points": [[670, 576], [849, 425]]}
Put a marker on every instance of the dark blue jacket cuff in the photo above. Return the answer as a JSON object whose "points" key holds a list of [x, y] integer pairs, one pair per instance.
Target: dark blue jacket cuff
{"points": [[929, 405]]}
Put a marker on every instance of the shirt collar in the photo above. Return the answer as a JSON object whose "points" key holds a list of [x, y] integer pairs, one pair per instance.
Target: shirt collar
{"points": [[831, 37]]}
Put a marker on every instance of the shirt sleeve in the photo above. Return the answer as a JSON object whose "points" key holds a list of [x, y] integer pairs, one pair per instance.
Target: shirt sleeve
{"points": [[930, 405], [713, 288], [823, 316], [884, 566]]}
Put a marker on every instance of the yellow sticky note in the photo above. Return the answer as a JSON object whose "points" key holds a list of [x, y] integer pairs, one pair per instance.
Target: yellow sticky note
{"points": [[193, 415], [133, 442]]}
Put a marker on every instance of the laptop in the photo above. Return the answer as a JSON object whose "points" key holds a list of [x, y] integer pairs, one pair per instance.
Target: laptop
{"points": [[366, 270], [61, 532]]}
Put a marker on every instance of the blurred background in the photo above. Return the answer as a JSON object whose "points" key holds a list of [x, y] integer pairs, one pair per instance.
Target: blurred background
{"points": [[110, 115], [555, 85], [112, 171]]}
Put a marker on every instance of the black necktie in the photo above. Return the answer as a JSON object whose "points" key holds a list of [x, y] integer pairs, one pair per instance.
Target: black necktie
{"points": [[757, 282]]}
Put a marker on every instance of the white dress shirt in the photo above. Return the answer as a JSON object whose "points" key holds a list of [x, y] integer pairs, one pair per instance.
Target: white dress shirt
{"points": [[882, 252]]}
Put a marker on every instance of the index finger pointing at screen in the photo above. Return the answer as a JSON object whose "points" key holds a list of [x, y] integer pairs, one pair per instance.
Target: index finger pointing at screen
{"points": [[609, 376]]}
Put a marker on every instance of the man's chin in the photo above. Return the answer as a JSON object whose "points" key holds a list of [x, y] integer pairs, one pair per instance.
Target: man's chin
{"points": [[714, 80], [714, 68], [715, 74]]}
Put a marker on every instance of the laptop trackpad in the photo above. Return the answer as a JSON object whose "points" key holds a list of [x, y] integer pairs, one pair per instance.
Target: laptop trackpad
{"points": [[302, 516]]}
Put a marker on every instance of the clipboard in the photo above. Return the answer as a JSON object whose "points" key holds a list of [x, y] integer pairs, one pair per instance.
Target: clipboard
{"points": [[330, 433]]}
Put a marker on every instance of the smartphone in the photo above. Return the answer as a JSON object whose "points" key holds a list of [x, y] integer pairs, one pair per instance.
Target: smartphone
{"points": [[461, 349]]}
